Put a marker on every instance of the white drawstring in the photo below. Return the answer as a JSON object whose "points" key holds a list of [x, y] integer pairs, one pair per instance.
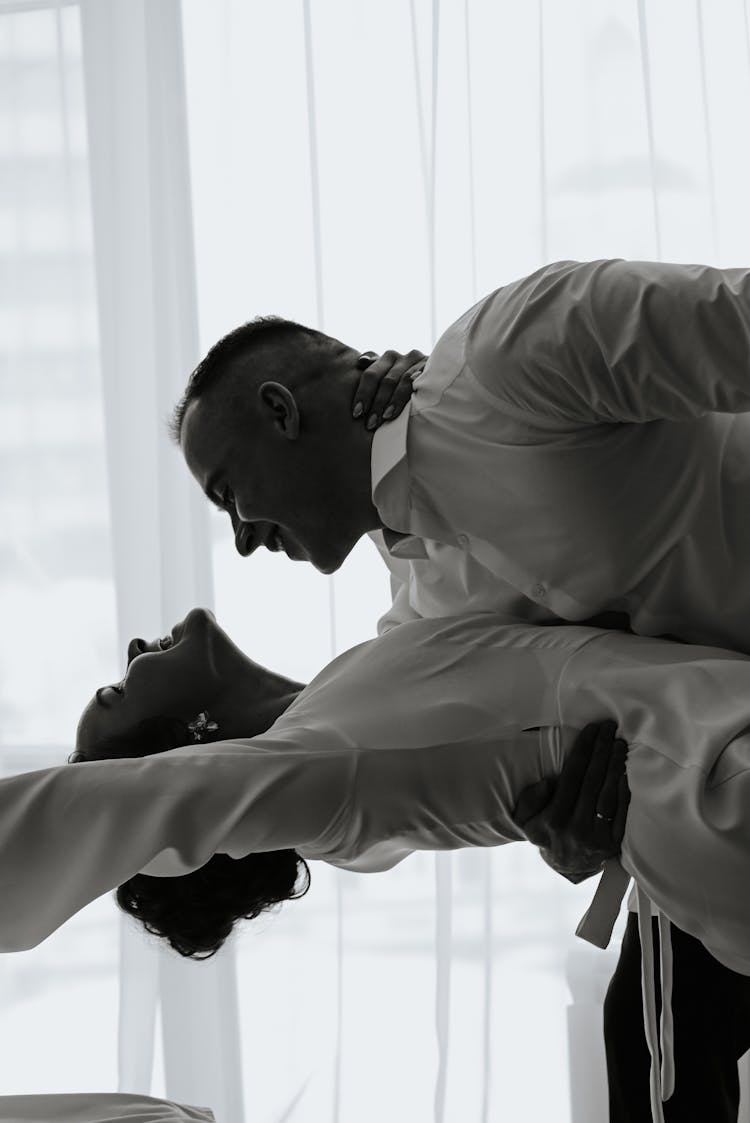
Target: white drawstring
{"points": [[596, 927], [662, 1077]]}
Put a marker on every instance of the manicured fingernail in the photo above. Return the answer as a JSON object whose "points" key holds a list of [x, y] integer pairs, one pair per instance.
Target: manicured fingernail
{"points": [[359, 409], [388, 413], [372, 421]]}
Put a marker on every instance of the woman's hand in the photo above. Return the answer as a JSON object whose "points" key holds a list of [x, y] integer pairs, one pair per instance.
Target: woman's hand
{"points": [[385, 384], [560, 815]]}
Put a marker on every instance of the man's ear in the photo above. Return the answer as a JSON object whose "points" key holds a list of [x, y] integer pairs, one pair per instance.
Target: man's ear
{"points": [[278, 406]]}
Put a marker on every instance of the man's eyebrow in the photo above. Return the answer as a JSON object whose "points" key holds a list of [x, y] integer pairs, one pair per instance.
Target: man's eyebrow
{"points": [[98, 697], [210, 491]]}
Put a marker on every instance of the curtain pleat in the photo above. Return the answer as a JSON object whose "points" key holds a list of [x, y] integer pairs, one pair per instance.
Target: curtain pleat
{"points": [[203, 1055], [470, 153], [543, 203], [312, 135], [425, 154], [443, 861], [708, 135], [487, 957], [432, 181], [148, 337], [486, 856], [136, 1010], [646, 72], [317, 239], [64, 123], [339, 997], [443, 956]]}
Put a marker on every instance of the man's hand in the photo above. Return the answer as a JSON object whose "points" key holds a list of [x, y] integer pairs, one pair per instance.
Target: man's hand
{"points": [[559, 815], [385, 385]]}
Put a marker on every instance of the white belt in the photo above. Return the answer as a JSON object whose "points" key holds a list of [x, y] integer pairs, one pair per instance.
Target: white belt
{"points": [[596, 926]]}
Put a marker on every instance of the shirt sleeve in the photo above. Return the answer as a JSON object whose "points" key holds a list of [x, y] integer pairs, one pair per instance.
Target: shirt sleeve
{"points": [[623, 341]]}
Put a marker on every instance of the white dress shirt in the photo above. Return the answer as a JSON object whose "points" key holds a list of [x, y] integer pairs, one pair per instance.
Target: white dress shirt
{"points": [[423, 739], [571, 448], [578, 442]]}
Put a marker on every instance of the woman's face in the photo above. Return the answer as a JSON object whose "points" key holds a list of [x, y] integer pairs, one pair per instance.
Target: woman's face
{"points": [[176, 676]]}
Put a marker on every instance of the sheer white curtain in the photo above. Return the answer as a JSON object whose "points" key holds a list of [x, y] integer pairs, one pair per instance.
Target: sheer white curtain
{"points": [[169, 171]]}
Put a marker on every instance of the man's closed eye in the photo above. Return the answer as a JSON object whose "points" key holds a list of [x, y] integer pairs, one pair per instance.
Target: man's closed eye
{"points": [[224, 502]]}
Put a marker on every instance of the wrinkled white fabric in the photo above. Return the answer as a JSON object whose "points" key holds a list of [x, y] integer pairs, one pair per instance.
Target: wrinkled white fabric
{"points": [[98, 1107], [422, 740], [579, 441]]}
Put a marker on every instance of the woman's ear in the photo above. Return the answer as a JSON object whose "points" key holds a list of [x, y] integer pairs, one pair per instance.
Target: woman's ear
{"points": [[278, 406]]}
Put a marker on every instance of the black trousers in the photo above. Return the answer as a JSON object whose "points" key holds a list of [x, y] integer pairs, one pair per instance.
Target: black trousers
{"points": [[711, 1008]]}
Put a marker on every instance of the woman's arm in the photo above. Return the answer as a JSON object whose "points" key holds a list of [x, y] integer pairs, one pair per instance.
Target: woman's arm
{"points": [[71, 833]]}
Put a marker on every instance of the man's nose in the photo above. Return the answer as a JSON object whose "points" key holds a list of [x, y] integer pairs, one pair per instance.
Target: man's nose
{"points": [[248, 536], [244, 539]]}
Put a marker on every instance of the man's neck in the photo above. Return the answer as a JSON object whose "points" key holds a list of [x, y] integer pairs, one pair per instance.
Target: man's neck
{"points": [[354, 456]]}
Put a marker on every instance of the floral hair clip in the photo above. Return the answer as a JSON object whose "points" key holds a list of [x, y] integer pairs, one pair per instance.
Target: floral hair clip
{"points": [[202, 725]]}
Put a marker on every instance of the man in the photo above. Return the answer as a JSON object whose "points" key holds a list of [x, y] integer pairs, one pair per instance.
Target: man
{"points": [[572, 452]]}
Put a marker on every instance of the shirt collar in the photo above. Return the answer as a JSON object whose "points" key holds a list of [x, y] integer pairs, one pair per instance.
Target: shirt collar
{"points": [[388, 455], [403, 545], [390, 487]]}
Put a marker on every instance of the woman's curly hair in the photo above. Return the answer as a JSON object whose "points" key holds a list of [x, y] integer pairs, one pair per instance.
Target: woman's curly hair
{"points": [[196, 912]]}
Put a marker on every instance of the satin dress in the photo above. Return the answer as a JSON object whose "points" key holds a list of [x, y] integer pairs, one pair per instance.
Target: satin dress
{"points": [[423, 739]]}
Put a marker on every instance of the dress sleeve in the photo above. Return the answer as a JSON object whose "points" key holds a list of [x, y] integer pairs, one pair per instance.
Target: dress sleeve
{"points": [[70, 833], [627, 341]]}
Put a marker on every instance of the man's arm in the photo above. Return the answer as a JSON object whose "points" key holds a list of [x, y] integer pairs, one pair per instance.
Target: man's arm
{"points": [[561, 817], [571, 872], [622, 341]]}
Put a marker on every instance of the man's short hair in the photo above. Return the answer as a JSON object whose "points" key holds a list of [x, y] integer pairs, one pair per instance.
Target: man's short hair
{"points": [[296, 344]]}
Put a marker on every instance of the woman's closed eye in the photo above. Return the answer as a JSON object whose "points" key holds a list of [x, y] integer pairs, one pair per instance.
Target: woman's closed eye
{"points": [[137, 646]]}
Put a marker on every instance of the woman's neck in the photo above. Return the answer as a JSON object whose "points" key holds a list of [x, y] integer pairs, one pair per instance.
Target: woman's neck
{"points": [[253, 702]]}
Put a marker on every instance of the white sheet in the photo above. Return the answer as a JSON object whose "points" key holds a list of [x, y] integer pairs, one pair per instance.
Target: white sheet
{"points": [[98, 1107]]}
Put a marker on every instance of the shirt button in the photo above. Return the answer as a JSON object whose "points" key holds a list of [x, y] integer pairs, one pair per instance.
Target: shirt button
{"points": [[463, 540], [539, 591]]}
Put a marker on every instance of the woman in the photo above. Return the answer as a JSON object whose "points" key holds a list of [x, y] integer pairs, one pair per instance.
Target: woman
{"points": [[403, 718], [420, 739], [155, 710], [195, 913]]}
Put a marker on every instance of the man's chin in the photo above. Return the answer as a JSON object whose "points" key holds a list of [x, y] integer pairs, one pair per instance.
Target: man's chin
{"points": [[326, 559], [328, 567], [329, 564], [297, 554]]}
